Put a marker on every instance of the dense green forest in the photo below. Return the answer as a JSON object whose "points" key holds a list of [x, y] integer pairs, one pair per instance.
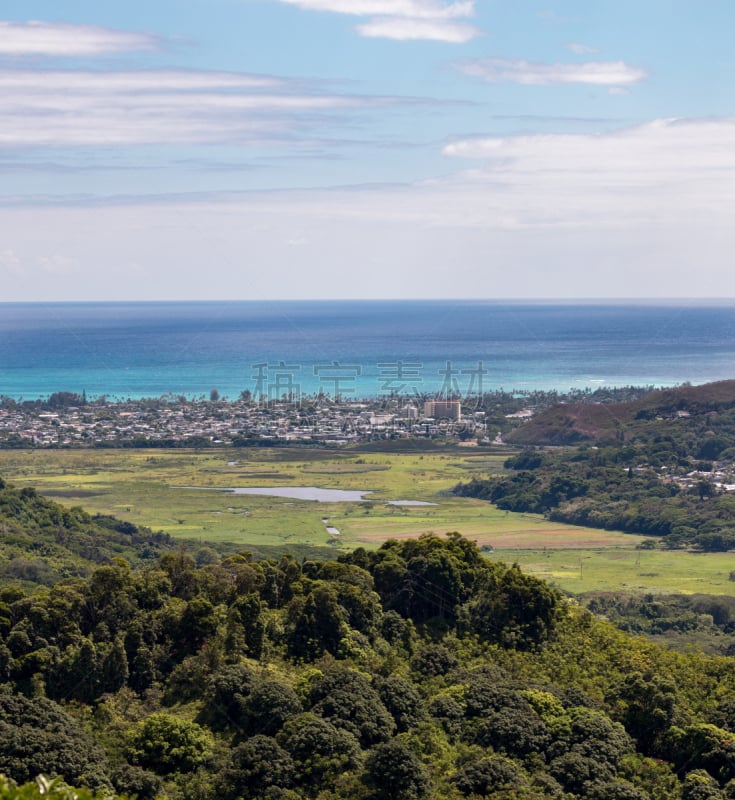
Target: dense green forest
{"points": [[42, 541], [417, 670], [655, 488], [684, 621]]}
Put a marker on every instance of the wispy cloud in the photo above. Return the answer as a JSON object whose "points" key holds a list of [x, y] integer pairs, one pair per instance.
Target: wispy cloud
{"points": [[57, 39], [44, 82], [581, 49], [406, 29], [600, 73], [650, 159], [68, 108], [419, 9], [58, 264], [663, 169], [404, 20], [10, 263]]}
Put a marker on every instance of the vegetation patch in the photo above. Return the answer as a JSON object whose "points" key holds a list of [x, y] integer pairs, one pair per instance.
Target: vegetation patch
{"points": [[419, 669]]}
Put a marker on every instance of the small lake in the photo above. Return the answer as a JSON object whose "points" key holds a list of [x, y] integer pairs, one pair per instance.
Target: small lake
{"points": [[305, 493], [409, 503], [308, 493]]}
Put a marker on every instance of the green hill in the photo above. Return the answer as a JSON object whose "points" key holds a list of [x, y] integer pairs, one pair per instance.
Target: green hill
{"points": [[42, 541], [684, 408], [418, 670]]}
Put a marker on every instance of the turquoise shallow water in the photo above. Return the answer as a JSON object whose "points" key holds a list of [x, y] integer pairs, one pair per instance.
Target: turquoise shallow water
{"points": [[357, 348]]}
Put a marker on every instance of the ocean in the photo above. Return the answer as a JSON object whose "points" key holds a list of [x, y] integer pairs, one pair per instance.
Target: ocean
{"points": [[358, 348]]}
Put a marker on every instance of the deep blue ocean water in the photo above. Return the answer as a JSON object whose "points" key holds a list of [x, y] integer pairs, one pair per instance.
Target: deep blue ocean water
{"points": [[359, 348]]}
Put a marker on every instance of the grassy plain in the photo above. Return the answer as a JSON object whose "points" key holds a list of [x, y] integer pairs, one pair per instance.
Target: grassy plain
{"points": [[627, 569], [154, 488]]}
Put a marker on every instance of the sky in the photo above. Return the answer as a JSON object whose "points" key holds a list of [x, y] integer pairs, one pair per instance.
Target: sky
{"points": [[299, 149]]}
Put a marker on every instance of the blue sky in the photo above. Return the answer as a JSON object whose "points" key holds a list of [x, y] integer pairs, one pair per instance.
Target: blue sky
{"points": [[253, 149]]}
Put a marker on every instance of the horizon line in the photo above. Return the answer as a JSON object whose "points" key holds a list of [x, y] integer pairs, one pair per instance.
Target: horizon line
{"points": [[498, 300]]}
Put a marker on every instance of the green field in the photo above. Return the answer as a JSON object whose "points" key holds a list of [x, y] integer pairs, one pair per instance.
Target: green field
{"points": [[141, 486], [628, 569]]}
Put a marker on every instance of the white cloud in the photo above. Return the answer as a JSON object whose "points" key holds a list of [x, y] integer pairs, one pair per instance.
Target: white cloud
{"points": [[57, 39], [10, 263], [581, 49], [48, 81], [667, 173], [601, 73], [404, 20], [67, 108], [571, 180], [406, 29], [57, 264], [671, 147], [418, 9]]}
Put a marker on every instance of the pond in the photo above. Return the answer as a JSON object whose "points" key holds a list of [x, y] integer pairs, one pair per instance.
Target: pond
{"points": [[305, 493], [309, 493], [409, 503]]}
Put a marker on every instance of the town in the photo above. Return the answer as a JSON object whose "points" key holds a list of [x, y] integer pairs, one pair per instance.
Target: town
{"points": [[69, 420]]}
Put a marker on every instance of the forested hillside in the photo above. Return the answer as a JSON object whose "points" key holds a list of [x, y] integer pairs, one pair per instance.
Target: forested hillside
{"points": [[656, 488], [418, 670], [661, 465], [42, 541], [687, 415]]}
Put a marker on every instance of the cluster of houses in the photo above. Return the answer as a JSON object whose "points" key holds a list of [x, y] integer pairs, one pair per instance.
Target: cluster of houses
{"points": [[201, 423], [721, 478]]}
